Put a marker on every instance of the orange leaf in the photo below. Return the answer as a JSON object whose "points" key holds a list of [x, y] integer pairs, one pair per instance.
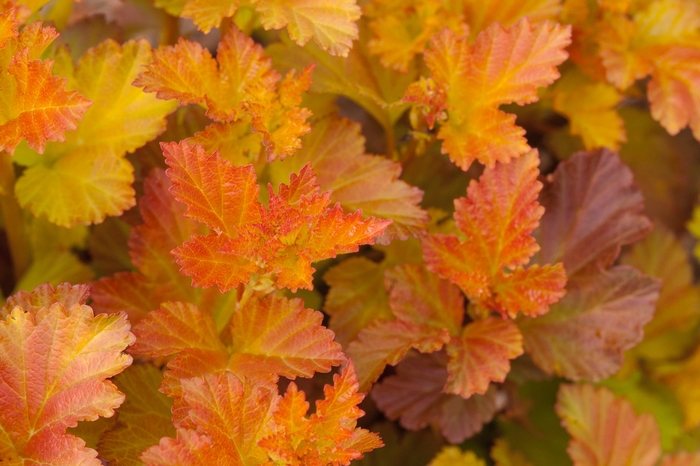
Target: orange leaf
{"points": [[165, 227], [383, 343], [605, 430], [239, 86], [482, 355], [197, 180], [281, 336], [356, 298], [415, 396], [497, 217], [336, 150], [503, 66], [187, 72], [428, 311], [230, 417], [681, 459], [296, 229], [36, 106], [673, 90], [46, 295], [271, 337], [236, 422], [332, 26], [44, 392]]}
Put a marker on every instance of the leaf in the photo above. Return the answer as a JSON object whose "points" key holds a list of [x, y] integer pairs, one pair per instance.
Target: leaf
{"points": [[503, 455], [587, 332], [358, 77], [296, 229], [278, 118], [590, 108], [399, 34], [661, 255], [271, 337], [281, 336], [336, 150], [356, 297], [35, 105], [230, 416], [87, 178], [239, 86], [605, 430], [414, 396], [165, 227], [387, 342], [503, 66], [672, 90], [197, 180], [45, 392], [496, 218], [482, 355], [238, 422], [401, 448], [681, 377], [481, 15], [331, 27], [681, 459], [453, 456], [428, 311], [46, 295], [143, 418], [592, 209], [82, 186]]}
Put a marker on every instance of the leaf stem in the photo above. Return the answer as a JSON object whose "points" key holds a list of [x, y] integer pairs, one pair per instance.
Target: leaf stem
{"points": [[12, 216], [171, 31]]}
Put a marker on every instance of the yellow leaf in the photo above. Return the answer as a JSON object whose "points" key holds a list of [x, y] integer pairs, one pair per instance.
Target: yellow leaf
{"points": [[590, 109], [82, 186], [453, 456]]}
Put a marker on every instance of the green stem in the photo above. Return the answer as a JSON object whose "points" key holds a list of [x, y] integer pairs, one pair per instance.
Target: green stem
{"points": [[12, 216]]}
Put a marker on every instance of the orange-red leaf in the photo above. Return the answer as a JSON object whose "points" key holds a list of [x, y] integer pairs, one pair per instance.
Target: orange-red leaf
{"points": [[605, 430], [271, 337], [336, 150], [187, 72], [35, 105], [230, 417], [482, 355], [503, 66], [239, 86], [281, 336], [236, 422], [296, 229], [197, 182], [54, 362], [497, 219]]}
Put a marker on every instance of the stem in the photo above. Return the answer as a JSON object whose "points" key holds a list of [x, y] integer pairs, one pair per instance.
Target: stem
{"points": [[171, 31], [390, 142], [12, 216]]}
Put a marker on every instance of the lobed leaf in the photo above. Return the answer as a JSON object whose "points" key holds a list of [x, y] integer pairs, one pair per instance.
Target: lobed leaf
{"points": [[605, 430], [497, 218], [415, 396], [585, 335], [503, 66], [592, 209], [53, 368]]}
